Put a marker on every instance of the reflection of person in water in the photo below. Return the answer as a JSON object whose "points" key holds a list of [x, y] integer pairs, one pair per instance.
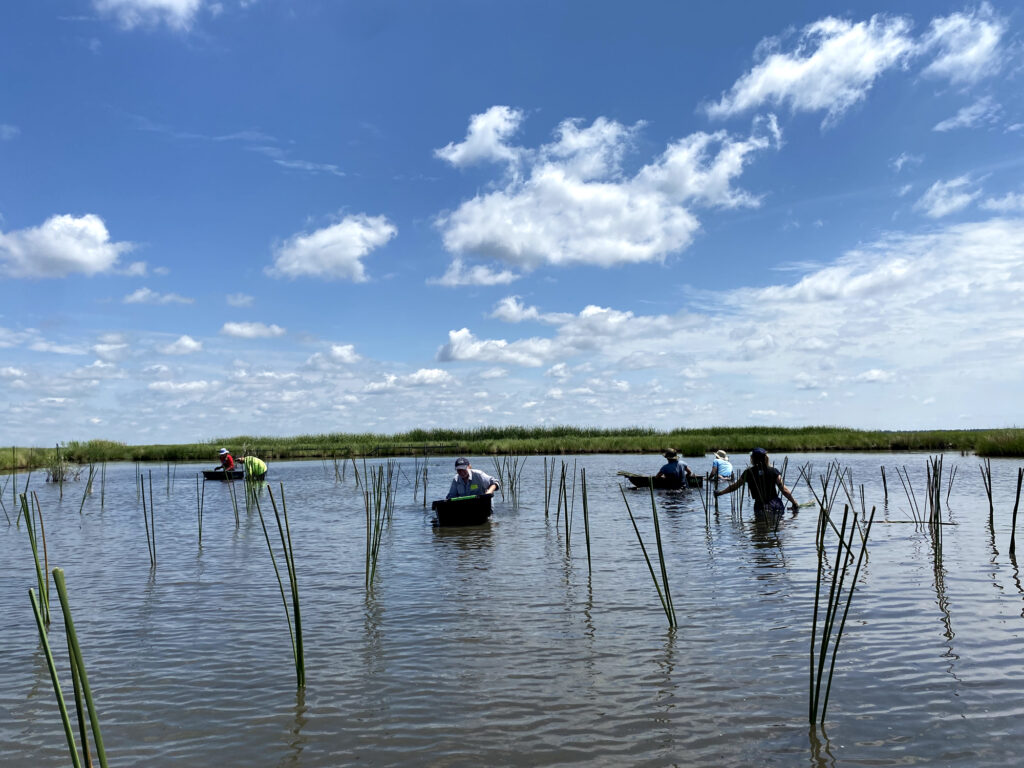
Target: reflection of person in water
{"points": [[764, 483]]}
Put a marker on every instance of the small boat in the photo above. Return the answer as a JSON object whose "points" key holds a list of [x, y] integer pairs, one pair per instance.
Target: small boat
{"points": [[662, 483], [220, 474], [463, 510]]}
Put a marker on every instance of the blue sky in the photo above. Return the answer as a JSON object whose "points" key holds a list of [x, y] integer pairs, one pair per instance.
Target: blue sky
{"points": [[276, 218]]}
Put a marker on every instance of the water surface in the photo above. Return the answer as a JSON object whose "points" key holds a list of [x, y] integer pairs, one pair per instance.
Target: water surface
{"points": [[498, 646]]}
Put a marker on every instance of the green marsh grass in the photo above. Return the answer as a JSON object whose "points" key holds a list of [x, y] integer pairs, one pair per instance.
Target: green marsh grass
{"points": [[525, 440]]}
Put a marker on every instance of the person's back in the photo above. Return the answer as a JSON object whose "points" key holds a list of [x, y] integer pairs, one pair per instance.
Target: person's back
{"points": [[254, 467]]}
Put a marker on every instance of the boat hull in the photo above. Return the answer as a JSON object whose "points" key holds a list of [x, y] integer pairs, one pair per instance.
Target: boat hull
{"points": [[662, 483], [475, 510], [217, 474]]}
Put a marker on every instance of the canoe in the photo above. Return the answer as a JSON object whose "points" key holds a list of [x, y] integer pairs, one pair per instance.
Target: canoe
{"points": [[219, 474], [661, 483], [466, 510]]}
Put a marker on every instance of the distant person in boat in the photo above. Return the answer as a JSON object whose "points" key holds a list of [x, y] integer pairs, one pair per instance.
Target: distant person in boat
{"points": [[470, 482], [764, 483], [721, 468], [675, 469], [255, 469], [227, 463]]}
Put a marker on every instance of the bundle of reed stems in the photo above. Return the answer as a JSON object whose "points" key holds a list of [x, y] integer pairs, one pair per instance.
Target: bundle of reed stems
{"points": [[374, 499], [835, 572], [84, 705], [294, 612], [149, 518], [664, 593]]}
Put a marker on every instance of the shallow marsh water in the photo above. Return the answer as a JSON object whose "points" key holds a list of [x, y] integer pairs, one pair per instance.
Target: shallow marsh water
{"points": [[493, 646]]}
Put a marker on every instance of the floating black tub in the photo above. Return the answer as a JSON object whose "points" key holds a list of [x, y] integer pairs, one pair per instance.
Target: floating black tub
{"points": [[662, 483], [219, 474], [464, 510]]}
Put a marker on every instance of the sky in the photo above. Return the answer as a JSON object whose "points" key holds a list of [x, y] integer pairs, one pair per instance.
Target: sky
{"points": [[284, 217]]}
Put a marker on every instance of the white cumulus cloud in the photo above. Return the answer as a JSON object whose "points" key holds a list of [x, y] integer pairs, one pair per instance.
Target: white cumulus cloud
{"points": [[463, 345], [485, 139], [459, 274], [1011, 202], [832, 66], [60, 246], [179, 387], [571, 204], [334, 252], [185, 345]]}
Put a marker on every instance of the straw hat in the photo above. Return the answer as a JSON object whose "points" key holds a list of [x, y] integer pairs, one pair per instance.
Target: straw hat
{"points": [[670, 454], [721, 455]]}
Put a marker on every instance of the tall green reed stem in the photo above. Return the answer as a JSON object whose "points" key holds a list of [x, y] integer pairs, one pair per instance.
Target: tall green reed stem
{"points": [[78, 665], [663, 595], [285, 535]]}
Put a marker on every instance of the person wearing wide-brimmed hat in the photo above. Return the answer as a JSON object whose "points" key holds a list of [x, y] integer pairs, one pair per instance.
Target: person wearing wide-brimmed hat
{"points": [[764, 483], [227, 463], [721, 468], [469, 481], [675, 469]]}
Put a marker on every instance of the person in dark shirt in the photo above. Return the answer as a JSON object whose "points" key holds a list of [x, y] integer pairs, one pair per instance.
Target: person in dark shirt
{"points": [[674, 470], [764, 483]]}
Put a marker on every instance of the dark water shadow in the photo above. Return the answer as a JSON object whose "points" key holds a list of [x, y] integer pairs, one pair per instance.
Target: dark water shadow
{"points": [[296, 740]]}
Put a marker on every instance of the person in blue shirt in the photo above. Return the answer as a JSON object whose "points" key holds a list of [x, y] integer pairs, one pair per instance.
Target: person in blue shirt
{"points": [[470, 482], [721, 469], [674, 469]]}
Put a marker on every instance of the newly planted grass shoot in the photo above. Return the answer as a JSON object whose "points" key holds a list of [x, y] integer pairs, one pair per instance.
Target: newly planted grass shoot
{"points": [[41, 568], [373, 498], [84, 704], [664, 594], [285, 536], [830, 634]]}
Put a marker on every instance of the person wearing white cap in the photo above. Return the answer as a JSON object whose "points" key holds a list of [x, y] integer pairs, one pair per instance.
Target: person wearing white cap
{"points": [[721, 468], [469, 481], [227, 463]]}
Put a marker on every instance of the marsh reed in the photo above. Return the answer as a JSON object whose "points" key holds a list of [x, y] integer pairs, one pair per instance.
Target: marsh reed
{"points": [[664, 594], [586, 515], [84, 705], [1016, 503], [986, 480], [376, 512], [294, 612], [830, 635], [149, 519], [34, 541]]}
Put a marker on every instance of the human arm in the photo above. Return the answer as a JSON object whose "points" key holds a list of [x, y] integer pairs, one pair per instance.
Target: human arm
{"points": [[731, 487], [786, 492]]}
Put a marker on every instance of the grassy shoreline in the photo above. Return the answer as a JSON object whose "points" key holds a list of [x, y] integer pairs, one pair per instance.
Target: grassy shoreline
{"points": [[1008, 442]]}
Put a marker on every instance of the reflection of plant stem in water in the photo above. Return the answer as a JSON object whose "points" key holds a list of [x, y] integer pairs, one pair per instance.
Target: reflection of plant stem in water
{"points": [[821, 747]]}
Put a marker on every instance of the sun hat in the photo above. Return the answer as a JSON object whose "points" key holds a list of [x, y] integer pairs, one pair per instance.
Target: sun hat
{"points": [[721, 455], [222, 451], [462, 463], [670, 454]]}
